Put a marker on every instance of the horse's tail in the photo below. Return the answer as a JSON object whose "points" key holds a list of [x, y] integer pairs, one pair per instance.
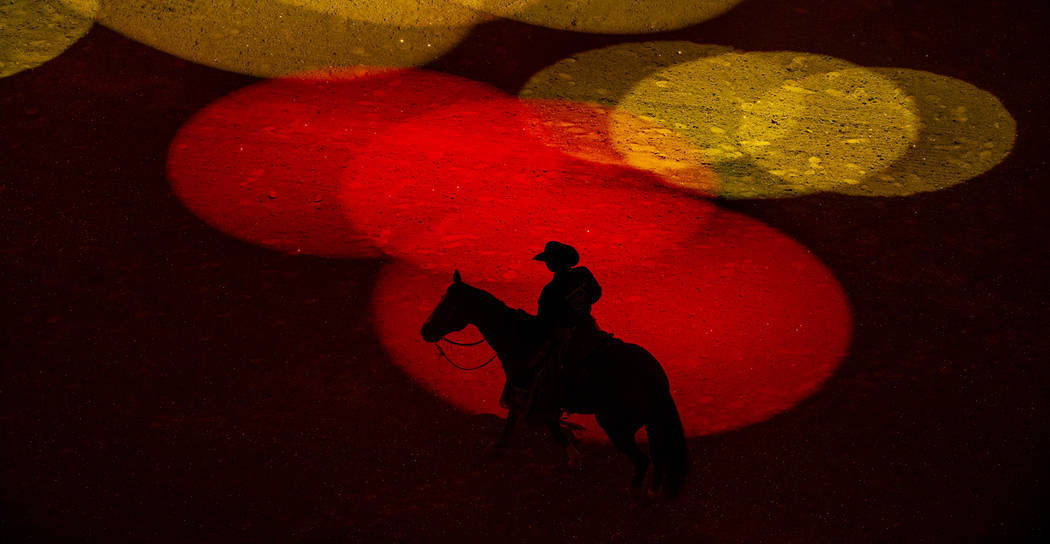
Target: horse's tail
{"points": [[667, 443]]}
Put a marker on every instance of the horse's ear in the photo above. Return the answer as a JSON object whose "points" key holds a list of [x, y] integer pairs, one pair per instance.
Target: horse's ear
{"points": [[456, 277]]}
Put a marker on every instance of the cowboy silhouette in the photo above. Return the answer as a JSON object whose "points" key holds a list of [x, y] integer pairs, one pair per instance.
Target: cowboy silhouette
{"points": [[565, 308], [621, 383]]}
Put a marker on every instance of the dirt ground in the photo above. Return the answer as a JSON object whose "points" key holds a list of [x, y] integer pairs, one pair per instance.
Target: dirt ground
{"points": [[164, 382]]}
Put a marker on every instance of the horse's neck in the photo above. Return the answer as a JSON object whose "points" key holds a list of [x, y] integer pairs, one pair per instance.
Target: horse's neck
{"points": [[496, 321]]}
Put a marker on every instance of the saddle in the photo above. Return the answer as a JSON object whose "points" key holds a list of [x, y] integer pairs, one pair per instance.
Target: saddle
{"points": [[585, 344], [582, 354]]}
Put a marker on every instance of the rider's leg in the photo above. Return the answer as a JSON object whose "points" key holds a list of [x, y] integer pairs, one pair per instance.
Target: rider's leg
{"points": [[545, 396], [562, 335]]}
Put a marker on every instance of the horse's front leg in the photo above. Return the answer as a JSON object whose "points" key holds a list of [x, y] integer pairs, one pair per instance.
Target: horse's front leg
{"points": [[501, 443], [561, 437]]}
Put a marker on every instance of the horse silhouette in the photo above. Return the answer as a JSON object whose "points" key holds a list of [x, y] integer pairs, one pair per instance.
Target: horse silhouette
{"points": [[624, 386]]}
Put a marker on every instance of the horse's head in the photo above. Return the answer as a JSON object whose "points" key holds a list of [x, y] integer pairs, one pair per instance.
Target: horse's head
{"points": [[450, 314]]}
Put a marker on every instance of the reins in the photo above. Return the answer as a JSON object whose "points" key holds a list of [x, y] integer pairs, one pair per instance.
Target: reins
{"points": [[462, 344], [453, 363]]}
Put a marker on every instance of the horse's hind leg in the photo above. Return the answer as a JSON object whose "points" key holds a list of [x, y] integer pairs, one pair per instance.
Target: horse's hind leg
{"points": [[622, 436], [575, 458], [659, 472]]}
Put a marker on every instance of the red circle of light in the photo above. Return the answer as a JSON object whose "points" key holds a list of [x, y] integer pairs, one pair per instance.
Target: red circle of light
{"points": [[264, 163], [470, 182], [745, 321]]}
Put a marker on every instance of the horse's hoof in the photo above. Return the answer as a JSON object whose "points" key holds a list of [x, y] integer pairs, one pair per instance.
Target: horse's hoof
{"points": [[575, 457]]}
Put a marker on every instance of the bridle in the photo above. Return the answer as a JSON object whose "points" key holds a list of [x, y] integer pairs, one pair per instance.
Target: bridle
{"points": [[453, 342], [453, 363]]}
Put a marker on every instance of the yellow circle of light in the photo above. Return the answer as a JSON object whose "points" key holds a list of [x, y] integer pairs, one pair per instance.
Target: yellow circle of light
{"points": [[36, 31], [604, 76], [405, 12], [828, 131], [269, 38], [607, 16], [965, 132], [778, 124]]}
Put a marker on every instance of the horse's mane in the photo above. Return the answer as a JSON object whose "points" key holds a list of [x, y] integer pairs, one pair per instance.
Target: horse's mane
{"points": [[524, 318], [513, 332]]}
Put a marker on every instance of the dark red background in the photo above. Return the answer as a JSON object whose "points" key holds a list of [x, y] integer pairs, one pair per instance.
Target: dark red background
{"points": [[162, 381]]}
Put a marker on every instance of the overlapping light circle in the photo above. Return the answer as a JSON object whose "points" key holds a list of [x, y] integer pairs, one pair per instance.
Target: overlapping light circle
{"points": [[773, 124], [605, 76], [438, 171], [778, 124], [470, 182], [266, 163], [36, 31], [583, 130], [277, 37], [607, 16], [442, 173]]}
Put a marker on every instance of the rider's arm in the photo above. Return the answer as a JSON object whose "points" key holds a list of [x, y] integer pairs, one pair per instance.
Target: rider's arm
{"points": [[590, 285], [594, 288]]}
